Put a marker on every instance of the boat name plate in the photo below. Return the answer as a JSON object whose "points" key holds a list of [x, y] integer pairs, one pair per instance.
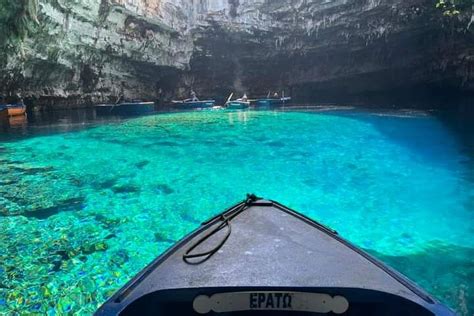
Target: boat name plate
{"points": [[278, 301]]}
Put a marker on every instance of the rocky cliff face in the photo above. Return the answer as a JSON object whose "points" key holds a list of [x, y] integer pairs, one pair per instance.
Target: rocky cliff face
{"points": [[89, 51], [93, 51]]}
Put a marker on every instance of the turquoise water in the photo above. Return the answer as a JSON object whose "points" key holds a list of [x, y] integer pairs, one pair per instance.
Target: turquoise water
{"points": [[82, 211]]}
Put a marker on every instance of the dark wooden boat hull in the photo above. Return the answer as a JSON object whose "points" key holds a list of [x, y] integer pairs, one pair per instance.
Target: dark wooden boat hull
{"points": [[195, 104], [266, 252], [125, 108], [266, 103], [237, 105]]}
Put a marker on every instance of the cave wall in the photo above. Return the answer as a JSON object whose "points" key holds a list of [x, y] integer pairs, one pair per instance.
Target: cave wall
{"points": [[336, 50], [89, 51]]}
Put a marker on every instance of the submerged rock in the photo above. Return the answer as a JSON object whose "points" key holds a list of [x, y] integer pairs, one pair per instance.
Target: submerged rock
{"points": [[105, 184], [68, 205], [142, 164], [162, 237], [27, 170], [125, 188], [164, 189], [120, 257]]}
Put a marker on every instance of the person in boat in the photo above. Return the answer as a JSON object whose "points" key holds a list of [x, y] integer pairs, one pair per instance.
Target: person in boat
{"points": [[275, 95], [244, 98], [194, 97], [120, 99]]}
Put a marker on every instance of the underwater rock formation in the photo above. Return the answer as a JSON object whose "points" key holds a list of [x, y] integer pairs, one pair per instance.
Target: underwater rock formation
{"points": [[94, 51]]}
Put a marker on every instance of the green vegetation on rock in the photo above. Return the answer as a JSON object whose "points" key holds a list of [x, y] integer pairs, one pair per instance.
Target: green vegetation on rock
{"points": [[454, 7]]}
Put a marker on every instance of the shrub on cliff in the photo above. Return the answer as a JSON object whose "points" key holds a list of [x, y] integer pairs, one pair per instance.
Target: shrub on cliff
{"points": [[454, 7]]}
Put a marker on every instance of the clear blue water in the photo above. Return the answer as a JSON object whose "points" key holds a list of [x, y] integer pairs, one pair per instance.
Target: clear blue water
{"points": [[84, 209]]}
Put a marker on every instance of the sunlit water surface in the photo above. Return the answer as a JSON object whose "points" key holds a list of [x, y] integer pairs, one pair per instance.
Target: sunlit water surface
{"points": [[82, 211]]}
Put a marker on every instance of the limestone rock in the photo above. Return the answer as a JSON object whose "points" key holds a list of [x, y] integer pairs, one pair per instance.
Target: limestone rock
{"points": [[90, 51]]}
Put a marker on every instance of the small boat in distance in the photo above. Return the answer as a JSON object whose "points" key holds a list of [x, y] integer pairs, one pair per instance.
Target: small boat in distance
{"points": [[260, 257], [134, 107], [238, 104], [13, 114], [190, 104], [15, 108], [272, 101], [193, 103]]}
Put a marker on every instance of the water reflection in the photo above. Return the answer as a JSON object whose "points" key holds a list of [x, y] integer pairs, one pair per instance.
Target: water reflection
{"points": [[238, 116], [14, 123], [43, 123]]}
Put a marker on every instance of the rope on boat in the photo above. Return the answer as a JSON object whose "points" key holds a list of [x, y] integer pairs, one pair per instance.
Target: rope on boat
{"points": [[225, 223]]}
